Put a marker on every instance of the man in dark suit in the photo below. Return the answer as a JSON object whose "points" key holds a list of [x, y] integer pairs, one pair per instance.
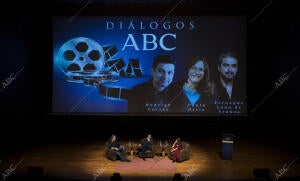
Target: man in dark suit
{"points": [[146, 145]]}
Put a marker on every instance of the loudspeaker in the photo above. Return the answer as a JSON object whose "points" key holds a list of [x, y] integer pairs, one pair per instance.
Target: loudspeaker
{"points": [[35, 173], [178, 177], [261, 173], [116, 177]]}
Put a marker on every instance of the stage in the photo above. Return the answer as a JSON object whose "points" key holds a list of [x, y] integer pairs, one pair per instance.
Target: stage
{"points": [[85, 160]]}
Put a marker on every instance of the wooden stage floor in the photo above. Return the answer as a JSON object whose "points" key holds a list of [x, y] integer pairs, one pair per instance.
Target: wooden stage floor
{"points": [[80, 161]]}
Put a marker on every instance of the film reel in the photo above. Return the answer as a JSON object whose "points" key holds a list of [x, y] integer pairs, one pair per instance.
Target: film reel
{"points": [[84, 61], [80, 56]]}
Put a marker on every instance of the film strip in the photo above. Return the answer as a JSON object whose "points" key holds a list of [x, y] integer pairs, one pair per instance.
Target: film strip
{"points": [[110, 51], [114, 93], [133, 69], [115, 65], [118, 65]]}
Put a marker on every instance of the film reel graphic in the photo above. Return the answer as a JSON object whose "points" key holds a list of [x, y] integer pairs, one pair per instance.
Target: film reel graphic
{"points": [[79, 57], [83, 60]]}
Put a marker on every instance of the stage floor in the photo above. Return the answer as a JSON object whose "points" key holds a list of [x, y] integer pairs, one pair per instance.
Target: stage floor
{"points": [[86, 161]]}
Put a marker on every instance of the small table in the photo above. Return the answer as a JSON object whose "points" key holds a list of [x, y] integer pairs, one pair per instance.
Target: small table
{"points": [[131, 149], [161, 150]]}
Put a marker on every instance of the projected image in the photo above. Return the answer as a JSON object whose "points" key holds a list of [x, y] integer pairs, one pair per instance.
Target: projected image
{"points": [[145, 65]]}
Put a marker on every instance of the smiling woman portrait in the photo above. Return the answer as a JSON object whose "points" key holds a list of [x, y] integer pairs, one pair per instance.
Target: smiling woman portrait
{"points": [[195, 93]]}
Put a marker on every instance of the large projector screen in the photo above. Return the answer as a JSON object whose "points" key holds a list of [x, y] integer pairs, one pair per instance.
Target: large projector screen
{"points": [[150, 65]]}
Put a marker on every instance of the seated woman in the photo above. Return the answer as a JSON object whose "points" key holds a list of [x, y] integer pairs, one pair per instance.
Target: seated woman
{"points": [[176, 148], [114, 145]]}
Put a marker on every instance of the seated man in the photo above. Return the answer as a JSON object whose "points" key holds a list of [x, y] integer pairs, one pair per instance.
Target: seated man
{"points": [[114, 145], [146, 145]]}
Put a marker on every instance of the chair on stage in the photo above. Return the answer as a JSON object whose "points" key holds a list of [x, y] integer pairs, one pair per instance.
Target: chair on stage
{"points": [[147, 154], [184, 152], [109, 154]]}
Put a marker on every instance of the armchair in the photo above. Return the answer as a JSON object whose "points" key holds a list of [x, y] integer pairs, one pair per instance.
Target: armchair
{"points": [[184, 153], [109, 154], [149, 153]]}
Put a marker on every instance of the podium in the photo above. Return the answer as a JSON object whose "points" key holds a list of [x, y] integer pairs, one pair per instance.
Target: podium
{"points": [[227, 149]]}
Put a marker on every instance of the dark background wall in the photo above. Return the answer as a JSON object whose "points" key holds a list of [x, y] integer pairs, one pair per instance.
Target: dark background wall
{"points": [[273, 50]]}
